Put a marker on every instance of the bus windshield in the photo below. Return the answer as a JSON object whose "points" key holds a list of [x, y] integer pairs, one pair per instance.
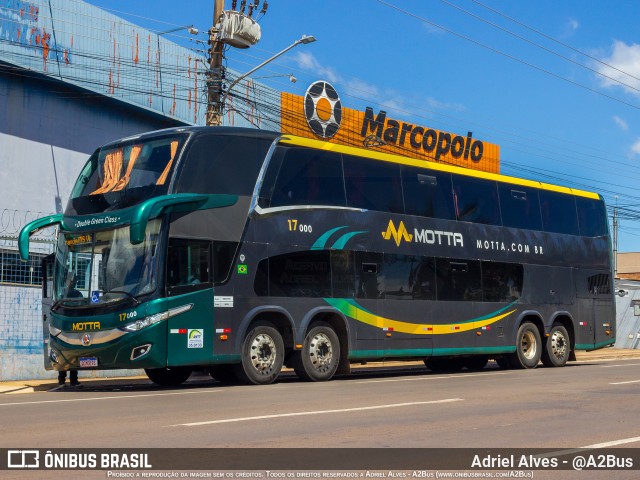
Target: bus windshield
{"points": [[103, 267], [118, 176]]}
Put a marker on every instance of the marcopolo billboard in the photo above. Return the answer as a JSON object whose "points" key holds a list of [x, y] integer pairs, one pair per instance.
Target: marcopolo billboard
{"points": [[320, 114]]}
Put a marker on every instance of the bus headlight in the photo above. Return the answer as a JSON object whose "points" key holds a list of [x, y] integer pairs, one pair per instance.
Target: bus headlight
{"points": [[146, 321], [158, 317]]}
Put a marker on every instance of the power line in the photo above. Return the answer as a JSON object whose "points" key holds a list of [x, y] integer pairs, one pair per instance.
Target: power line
{"points": [[507, 55], [520, 37], [554, 39]]}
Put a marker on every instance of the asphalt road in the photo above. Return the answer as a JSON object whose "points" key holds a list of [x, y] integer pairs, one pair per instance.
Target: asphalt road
{"points": [[581, 405]]}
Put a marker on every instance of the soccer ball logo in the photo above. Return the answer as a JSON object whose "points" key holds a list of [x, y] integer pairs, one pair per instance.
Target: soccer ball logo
{"points": [[323, 109]]}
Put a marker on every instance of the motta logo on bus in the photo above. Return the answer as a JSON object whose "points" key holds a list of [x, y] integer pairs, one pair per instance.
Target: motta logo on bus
{"points": [[430, 237]]}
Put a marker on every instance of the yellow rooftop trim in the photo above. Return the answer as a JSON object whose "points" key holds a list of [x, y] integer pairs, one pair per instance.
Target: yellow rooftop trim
{"points": [[386, 157]]}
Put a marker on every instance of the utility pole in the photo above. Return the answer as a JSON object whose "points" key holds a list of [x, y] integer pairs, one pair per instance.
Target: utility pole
{"points": [[214, 76], [615, 240]]}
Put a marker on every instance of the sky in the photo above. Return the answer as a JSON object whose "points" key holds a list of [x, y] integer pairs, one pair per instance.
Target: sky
{"points": [[555, 83]]}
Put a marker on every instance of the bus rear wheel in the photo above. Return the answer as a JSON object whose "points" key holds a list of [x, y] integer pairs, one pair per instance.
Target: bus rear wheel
{"points": [[557, 348], [320, 355], [528, 347], [262, 356], [168, 377]]}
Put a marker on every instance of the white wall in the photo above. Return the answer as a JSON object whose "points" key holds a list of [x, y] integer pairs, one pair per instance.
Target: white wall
{"points": [[28, 172]]}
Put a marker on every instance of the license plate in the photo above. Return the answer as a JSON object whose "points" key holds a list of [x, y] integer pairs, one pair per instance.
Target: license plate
{"points": [[88, 362]]}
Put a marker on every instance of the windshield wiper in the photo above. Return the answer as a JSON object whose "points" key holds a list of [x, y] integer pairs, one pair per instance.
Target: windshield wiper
{"points": [[135, 300], [57, 303]]}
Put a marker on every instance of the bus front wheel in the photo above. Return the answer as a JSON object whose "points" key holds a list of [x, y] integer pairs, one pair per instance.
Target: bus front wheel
{"points": [[320, 355], [557, 348], [262, 356], [168, 377], [528, 347]]}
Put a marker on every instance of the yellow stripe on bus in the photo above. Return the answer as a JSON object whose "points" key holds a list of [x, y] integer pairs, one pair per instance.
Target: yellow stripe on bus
{"points": [[386, 157]]}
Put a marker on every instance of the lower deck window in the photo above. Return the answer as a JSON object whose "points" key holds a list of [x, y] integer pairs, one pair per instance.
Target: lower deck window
{"points": [[371, 275]]}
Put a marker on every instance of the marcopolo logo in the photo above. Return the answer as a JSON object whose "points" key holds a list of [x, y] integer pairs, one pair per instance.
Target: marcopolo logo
{"points": [[323, 109], [430, 141]]}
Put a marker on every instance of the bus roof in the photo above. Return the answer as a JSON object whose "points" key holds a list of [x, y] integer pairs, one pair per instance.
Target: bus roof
{"points": [[361, 152], [386, 157]]}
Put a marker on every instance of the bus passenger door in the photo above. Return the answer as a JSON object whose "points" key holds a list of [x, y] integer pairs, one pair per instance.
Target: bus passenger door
{"points": [[47, 300], [190, 285], [370, 295], [409, 291]]}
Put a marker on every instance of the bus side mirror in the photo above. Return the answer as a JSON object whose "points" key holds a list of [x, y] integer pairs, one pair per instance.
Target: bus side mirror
{"points": [[33, 227]]}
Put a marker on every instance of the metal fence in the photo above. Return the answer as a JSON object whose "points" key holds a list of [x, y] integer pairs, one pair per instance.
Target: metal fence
{"points": [[21, 342], [21, 333]]}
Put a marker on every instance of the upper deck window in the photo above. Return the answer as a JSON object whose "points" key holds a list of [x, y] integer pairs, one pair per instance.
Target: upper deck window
{"points": [[125, 174], [476, 200], [426, 193], [592, 217], [558, 212], [227, 164], [373, 185], [520, 207], [305, 177]]}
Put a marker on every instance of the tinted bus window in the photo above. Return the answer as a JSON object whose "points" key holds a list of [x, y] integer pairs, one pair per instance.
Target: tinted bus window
{"points": [[308, 177], [427, 194], [558, 212], [342, 274], [398, 276], [458, 280], [592, 217], [207, 166], [369, 275], [476, 200], [373, 185], [423, 282], [298, 274], [223, 254], [501, 282], [188, 265], [520, 207]]}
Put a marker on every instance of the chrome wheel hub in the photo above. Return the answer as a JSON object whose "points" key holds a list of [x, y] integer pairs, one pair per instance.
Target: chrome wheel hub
{"points": [[263, 353], [320, 352]]}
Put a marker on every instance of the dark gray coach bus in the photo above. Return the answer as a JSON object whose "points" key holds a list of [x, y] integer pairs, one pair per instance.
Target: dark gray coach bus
{"points": [[241, 251]]}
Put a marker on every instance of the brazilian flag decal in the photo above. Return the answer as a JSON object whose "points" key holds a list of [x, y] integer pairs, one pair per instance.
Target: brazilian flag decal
{"points": [[242, 269]]}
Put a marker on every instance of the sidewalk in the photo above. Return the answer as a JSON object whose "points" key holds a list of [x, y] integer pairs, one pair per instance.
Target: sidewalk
{"points": [[30, 386]]}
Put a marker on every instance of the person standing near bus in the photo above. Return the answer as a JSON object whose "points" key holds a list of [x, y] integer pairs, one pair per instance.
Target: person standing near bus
{"points": [[73, 378]]}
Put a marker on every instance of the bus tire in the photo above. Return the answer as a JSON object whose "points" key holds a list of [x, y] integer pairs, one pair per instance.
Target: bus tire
{"points": [[528, 347], [262, 356], [168, 377], [223, 373], [320, 355], [476, 363], [557, 348]]}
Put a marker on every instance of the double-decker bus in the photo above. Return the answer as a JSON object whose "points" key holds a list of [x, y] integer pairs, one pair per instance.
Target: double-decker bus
{"points": [[242, 251]]}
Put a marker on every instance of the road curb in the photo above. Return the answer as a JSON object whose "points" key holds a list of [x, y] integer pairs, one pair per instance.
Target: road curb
{"points": [[31, 386]]}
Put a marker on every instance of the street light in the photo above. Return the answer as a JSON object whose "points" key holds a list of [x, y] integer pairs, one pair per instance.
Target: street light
{"points": [[189, 28], [292, 78], [303, 40]]}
